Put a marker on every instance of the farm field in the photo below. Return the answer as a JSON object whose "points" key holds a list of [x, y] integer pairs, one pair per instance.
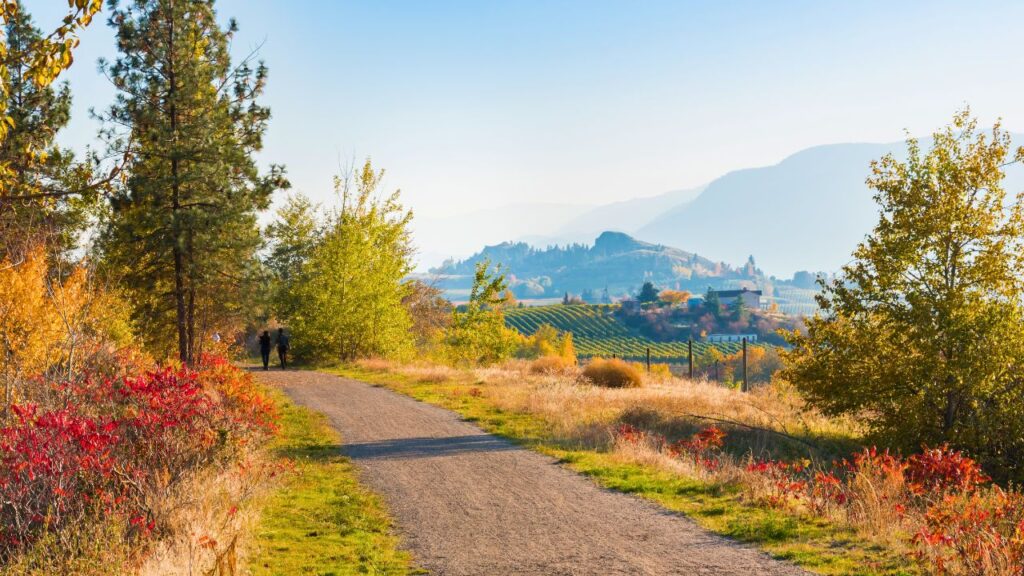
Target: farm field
{"points": [[795, 301], [596, 332]]}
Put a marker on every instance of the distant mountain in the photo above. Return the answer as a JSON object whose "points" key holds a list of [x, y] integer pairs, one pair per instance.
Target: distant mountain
{"points": [[626, 216], [616, 262], [807, 212], [458, 236], [537, 224]]}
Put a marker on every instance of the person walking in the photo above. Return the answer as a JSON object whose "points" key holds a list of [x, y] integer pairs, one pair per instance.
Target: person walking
{"points": [[265, 349], [282, 347]]}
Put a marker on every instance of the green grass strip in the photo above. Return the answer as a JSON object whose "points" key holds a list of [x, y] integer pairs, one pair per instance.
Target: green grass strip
{"points": [[321, 520]]}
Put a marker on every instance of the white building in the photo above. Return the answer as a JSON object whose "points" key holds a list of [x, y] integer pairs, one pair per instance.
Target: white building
{"points": [[751, 298]]}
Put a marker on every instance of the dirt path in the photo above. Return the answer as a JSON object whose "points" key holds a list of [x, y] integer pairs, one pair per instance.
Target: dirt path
{"points": [[467, 502]]}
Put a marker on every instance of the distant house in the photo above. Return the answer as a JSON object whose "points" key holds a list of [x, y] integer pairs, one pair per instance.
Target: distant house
{"points": [[751, 298], [732, 337], [630, 305]]}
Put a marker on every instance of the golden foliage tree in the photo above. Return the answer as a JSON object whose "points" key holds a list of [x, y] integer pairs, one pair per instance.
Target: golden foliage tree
{"points": [[345, 300], [922, 333]]}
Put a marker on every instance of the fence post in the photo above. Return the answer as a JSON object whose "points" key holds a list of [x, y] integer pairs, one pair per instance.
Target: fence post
{"points": [[744, 363], [689, 346], [648, 359]]}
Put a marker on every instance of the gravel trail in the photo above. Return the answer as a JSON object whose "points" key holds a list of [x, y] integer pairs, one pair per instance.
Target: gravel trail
{"points": [[470, 503]]}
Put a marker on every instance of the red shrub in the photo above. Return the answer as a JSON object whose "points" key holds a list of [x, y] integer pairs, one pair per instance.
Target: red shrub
{"points": [[938, 470], [977, 533], [782, 480], [702, 448], [52, 463], [119, 444], [631, 434]]}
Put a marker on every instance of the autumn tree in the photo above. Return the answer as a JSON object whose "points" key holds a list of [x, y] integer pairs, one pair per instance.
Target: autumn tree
{"points": [[182, 232], [477, 334], [42, 61], [922, 333], [45, 195], [346, 299], [293, 236], [431, 314], [674, 297]]}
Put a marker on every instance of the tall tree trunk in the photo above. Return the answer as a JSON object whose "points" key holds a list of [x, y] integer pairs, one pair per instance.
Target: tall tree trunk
{"points": [[179, 257]]}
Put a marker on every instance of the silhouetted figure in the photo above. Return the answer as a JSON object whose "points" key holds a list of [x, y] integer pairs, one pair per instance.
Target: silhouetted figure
{"points": [[265, 349], [282, 347]]}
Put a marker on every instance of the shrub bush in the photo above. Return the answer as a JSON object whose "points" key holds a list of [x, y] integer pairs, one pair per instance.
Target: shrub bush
{"points": [[612, 373], [550, 365], [117, 446]]}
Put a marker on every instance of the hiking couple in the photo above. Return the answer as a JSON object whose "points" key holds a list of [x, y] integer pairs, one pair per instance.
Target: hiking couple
{"points": [[282, 348]]}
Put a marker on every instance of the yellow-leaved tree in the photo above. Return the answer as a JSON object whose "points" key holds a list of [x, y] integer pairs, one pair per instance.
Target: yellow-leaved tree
{"points": [[923, 332]]}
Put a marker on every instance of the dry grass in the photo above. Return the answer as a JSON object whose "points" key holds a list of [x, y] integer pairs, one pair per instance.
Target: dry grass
{"points": [[211, 518], [768, 421]]}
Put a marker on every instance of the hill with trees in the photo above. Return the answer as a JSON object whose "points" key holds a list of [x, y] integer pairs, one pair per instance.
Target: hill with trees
{"points": [[614, 266]]}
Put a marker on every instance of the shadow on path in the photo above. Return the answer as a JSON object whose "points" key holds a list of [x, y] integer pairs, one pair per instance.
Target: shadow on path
{"points": [[409, 448]]}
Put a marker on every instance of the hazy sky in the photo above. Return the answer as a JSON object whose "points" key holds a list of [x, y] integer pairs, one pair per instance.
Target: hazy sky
{"points": [[478, 104]]}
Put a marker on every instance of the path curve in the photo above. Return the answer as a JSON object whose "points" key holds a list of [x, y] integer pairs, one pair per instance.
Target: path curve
{"points": [[470, 503]]}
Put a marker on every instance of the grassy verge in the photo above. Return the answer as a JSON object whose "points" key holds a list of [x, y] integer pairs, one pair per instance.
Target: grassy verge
{"points": [[811, 543], [321, 521]]}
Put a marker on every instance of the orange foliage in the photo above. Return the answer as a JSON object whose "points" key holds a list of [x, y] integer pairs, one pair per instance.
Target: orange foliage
{"points": [[34, 315], [674, 297], [46, 320]]}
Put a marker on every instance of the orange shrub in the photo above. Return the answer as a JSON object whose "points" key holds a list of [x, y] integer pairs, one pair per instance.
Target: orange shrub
{"points": [[550, 364], [612, 373]]}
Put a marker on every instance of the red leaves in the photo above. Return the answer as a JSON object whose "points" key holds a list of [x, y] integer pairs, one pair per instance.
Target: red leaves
{"points": [[119, 444], [961, 523], [630, 434], [702, 448], [974, 532], [942, 469]]}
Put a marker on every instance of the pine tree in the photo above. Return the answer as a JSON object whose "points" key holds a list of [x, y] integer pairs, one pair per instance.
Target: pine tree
{"points": [[32, 212], [713, 303], [182, 231], [648, 294]]}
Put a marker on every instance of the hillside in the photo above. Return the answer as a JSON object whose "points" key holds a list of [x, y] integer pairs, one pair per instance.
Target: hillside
{"points": [[808, 212], [616, 262]]}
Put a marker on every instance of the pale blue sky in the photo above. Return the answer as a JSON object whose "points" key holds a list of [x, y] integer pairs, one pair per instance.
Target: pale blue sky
{"points": [[478, 104]]}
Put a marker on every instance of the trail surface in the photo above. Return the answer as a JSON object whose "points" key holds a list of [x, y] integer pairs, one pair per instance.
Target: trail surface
{"points": [[470, 503]]}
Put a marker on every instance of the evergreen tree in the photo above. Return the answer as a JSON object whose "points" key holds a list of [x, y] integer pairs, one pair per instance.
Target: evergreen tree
{"points": [[33, 209], [738, 310], [713, 303], [182, 230], [648, 294]]}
